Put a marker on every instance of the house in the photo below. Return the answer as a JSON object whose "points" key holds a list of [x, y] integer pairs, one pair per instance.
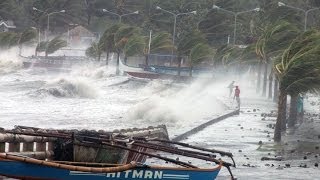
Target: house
{"points": [[6, 26], [79, 36]]}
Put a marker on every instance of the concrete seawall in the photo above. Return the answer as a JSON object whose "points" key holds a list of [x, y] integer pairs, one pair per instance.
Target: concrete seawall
{"points": [[204, 125]]}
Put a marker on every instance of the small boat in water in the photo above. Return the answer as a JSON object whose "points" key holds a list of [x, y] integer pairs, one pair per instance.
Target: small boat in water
{"points": [[148, 142], [53, 63], [166, 72]]}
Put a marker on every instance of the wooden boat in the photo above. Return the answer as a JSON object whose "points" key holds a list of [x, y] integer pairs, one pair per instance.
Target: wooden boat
{"points": [[28, 168], [165, 72], [36, 165], [52, 63]]}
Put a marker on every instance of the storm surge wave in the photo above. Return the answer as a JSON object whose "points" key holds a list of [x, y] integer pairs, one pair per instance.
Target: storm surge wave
{"points": [[9, 64], [68, 88]]}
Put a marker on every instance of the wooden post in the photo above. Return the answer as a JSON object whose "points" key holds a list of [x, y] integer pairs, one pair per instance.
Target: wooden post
{"points": [[27, 147], [14, 147], [2, 147]]}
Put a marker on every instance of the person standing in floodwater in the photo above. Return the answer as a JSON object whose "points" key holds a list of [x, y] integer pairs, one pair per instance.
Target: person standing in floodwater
{"points": [[231, 86], [237, 96]]}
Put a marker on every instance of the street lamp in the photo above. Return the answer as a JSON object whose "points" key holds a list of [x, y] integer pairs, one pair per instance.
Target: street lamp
{"points": [[235, 18], [48, 14], [306, 12], [120, 16], [175, 20]]}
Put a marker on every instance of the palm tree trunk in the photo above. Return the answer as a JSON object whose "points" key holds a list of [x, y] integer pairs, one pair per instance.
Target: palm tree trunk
{"points": [[265, 78], [259, 77], [107, 58], [147, 60], [275, 90], [270, 84], [281, 113], [179, 65], [20, 50], [284, 114], [293, 110], [190, 72], [118, 62]]}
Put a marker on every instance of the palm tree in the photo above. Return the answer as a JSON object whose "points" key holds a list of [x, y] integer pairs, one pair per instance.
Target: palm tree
{"points": [[159, 42], [26, 36], [298, 71], [189, 41], [199, 53], [54, 45], [41, 47], [274, 39], [8, 39], [107, 42], [94, 51], [134, 46], [121, 38]]}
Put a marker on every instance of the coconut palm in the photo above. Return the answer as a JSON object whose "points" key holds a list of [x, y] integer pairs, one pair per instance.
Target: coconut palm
{"points": [[8, 39], [26, 36], [41, 47], [199, 53], [54, 45], [189, 41], [94, 51], [298, 71], [134, 46], [121, 38], [160, 42], [274, 39], [107, 42]]}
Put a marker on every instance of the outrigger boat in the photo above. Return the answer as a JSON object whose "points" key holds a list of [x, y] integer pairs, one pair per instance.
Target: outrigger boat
{"points": [[53, 63], [26, 165]]}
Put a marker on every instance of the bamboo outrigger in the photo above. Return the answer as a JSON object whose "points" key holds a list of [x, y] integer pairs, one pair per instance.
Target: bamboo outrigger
{"points": [[30, 165]]}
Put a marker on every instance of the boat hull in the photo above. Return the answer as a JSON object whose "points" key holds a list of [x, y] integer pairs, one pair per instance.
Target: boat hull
{"points": [[23, 170]]}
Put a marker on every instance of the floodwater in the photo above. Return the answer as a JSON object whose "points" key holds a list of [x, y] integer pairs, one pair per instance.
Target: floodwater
{"points": [[92, 97]]}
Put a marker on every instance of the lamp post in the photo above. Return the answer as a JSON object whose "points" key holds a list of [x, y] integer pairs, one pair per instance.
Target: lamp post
{"points": [[235, 14], [306, 12], [48, 14], [175, 20], [120, 16]]}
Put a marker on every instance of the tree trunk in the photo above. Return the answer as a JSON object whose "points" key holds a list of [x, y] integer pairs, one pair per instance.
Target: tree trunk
{"points": [[107, 58], [118, 62], [275, 90], [293, 110], [284, 114], [265, 79], [20, 50], [179, 65], [281, 113], [99, 57], [270, 84], [259, 77], [125, 60], [190, 72], [147, 60]]}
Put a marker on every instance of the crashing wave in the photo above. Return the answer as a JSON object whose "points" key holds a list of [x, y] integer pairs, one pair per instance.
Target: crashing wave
{"points": [[67, 88], [9, 64]]}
